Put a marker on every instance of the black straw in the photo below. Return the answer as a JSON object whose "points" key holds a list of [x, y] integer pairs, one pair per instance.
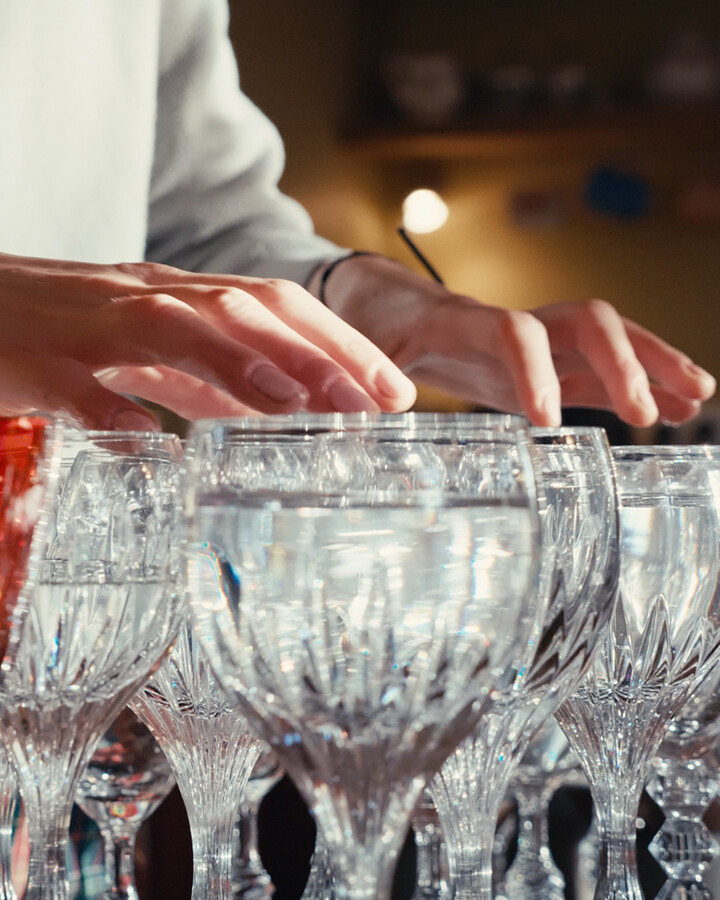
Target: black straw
{"points": [[420, 255]]}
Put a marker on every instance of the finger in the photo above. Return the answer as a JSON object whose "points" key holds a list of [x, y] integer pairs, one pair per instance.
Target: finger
{"points": [[367, 364], [291, 327], [186, 396], [582, 388], [516, 340], [523, 345], [158, 329], [68, 389], [668, 366], [673, 409], [597, 332], [251, 355]]}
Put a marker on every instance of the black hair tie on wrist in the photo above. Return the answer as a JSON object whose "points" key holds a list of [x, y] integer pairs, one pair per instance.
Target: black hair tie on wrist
{"points": [[331, 268]]}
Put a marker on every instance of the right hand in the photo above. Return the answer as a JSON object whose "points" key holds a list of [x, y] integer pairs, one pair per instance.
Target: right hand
{"points": [[75, 335]]}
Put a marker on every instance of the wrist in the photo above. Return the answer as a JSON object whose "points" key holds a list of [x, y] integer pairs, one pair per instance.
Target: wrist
{"points": [[319, 279], [382, 298]]}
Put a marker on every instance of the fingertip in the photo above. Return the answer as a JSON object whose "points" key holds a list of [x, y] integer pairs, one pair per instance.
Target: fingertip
{"points": [[400, 402], [345, 397], [673, 421], [638, 415], [699, 383], [546, 412], [396, 391], [641, 409], [708, 386]]}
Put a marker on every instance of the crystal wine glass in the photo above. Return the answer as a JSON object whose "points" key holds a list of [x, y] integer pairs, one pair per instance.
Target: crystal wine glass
{"points": [[125, 781], [577, 587], [207, 740], [101, 613], [661, 639], [369, 613], [28, 461]]}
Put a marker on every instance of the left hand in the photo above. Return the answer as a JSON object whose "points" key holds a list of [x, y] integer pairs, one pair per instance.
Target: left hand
{"points": [[573, 354]]}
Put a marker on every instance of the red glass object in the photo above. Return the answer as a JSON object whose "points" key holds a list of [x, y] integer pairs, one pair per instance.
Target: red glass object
{"points": [[22, 447]]}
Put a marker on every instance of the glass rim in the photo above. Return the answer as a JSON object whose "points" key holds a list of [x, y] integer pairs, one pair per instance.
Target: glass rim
{"points": [[308, 422], [568, 431], [108, 434], [136, 442], [666, 450]]}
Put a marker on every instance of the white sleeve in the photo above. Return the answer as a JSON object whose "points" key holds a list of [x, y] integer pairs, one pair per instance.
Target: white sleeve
{"points": [[214, 201]]}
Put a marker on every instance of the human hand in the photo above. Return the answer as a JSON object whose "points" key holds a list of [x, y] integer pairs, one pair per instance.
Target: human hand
{"points": [[572, 354], [72, 335]]}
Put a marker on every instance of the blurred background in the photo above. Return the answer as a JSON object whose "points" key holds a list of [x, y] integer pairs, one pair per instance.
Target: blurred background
{"points": [[574, 144]]}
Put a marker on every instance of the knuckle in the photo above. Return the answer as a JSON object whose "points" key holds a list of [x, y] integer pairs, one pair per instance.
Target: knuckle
{"points": [[226, 299], [136, 269], [147, 313], [597, 311], [629, 367], [146, 272], [273, 291], [232, 305], [517, 327], [355, 346]]}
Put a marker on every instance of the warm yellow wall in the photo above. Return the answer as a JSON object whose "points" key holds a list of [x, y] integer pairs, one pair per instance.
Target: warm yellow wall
{"points": [[296, 60]]}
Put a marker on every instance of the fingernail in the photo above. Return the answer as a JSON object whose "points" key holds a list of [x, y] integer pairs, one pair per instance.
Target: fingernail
{"points": [[344, 397], [392, 383], [132, 420], [696, 406], [695, 369], [276, 385]]}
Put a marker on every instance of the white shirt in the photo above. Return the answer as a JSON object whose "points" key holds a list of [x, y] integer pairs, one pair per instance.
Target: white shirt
{"points": [[124, 136]]}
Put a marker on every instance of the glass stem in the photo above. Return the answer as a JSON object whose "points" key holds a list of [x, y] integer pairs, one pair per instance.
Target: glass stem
{"points": [[684, 846], [367, 881], [212, 814], [471, 867], [469, 831], [212, 789], [249, 835], [212, 857], [120, 863], [212, 758], [321, 881], [431, 854], [249, 866], [617, 805], [364, 833], [533, 872], [48, 826], [468, 794]]}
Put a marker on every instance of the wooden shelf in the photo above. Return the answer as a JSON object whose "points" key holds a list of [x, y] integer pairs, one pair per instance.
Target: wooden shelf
{"points": [[675, 127]]}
